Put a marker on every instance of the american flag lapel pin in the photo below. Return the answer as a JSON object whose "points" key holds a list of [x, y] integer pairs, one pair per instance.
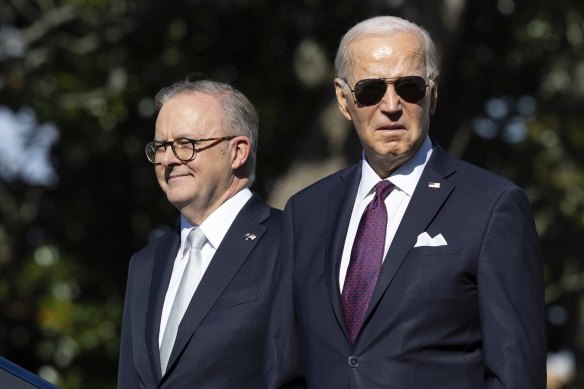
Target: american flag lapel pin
{"points": [[249, 236], [434, 185]]}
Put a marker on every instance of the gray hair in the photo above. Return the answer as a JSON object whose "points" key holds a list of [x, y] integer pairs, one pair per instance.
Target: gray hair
{"points": [[382, 26], [239, 115]]}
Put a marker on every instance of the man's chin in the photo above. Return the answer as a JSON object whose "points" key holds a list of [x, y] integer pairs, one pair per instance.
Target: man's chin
{"points": [[387, 161], [177, 200]]}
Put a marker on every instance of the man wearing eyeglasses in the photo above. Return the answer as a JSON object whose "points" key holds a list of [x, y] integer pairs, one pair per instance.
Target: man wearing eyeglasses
{"points": [[410, 269], [195, 312]]}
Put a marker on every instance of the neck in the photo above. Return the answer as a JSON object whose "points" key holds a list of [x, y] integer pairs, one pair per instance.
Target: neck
{"points": [[384, 167], [197, 213]]}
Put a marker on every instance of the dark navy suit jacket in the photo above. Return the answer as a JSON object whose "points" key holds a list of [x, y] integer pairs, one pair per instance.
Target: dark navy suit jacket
{"points": [[221, 337], [467, 315]]}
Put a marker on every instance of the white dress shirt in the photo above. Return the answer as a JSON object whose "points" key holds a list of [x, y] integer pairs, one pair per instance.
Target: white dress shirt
{"points": [[405, 178], [214, 227]]}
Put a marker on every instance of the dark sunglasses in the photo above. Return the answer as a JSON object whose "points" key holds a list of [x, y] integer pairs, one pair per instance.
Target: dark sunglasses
{"points": [[370, 91]]}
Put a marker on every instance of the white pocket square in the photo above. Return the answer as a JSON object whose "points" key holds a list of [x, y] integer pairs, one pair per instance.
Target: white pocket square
{"points": [[425, 240]]}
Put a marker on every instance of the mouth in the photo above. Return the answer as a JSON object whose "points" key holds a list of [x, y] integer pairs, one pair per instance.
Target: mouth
{"points": [[175, 177], [391, 127]]}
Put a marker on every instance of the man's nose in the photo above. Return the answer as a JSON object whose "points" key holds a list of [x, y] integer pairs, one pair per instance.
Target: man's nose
{"points": [[168, 157], [390, 101]]}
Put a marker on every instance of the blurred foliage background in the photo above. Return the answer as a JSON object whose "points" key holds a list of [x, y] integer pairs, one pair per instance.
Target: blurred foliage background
{"points": [[77, 196]]}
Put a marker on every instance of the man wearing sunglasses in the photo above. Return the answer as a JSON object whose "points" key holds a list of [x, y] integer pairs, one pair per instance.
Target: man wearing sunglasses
{"points": [[195, 312], [410, 269]]}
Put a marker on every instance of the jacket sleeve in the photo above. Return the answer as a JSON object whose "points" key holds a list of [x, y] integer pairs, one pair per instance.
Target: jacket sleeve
{"points": [[511, 297], [282, 364], [127, 374]]}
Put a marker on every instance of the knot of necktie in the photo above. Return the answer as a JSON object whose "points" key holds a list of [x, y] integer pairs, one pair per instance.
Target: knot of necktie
{"points": [[383, 188], [196, 239]]}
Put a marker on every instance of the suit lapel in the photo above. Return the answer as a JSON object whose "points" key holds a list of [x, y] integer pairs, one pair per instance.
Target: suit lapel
{"points": [[161, 272], [423, 207], [230, 255], [339, 208]]}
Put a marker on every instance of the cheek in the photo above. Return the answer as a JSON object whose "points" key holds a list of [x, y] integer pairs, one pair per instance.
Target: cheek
{"points": [[361, 118], [418, 116], [159, 173]]}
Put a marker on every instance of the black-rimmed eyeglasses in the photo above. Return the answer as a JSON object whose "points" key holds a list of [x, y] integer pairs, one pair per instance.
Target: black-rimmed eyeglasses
{"points": [[183, 148], [370, 91]]}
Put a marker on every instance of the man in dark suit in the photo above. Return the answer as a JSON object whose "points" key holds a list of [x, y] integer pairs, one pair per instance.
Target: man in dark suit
{"points": [[410, 269], [195, 312]]}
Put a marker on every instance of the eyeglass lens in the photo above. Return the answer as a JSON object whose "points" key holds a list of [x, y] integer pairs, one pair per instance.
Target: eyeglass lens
{"points": [[183, 149], [370, 91]]}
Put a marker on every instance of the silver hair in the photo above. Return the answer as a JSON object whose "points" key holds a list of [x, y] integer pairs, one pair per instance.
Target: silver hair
{"points": [[239, 115], [384, 26]]}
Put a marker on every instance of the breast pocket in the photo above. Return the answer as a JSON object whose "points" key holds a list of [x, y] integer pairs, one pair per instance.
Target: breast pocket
{"points": [[434, 251], [239, 297]]}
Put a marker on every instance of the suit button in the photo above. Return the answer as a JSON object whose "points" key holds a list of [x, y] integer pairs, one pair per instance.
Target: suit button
{"points": [[353, 361]]}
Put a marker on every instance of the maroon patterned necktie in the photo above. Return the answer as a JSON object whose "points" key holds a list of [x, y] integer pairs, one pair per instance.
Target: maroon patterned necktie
{"points": [[366, 260]]}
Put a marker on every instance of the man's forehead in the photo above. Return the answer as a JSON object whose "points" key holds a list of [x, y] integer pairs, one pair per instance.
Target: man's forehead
{"points": [[191, 118], [415, 55], [375, 56], [381, 52], [398, 43]]}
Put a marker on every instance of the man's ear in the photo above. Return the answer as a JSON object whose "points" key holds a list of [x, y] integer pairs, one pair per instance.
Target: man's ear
{"points": [[434, 95], [342, 98], [240, 152]]}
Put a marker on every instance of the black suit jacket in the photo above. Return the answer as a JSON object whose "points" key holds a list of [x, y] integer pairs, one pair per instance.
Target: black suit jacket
{"points": [[221, 337], [467, 315]]}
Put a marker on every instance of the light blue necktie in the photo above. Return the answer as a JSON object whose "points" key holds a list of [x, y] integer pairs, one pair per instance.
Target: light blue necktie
{"points": [[191, 276]]}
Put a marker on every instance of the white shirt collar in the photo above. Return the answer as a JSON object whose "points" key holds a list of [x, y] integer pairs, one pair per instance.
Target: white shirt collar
{"points": [[215, 226], [405, 177]]}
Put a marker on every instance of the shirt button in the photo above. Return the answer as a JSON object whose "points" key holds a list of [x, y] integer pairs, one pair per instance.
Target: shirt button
{"points": [[353, 361]]}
